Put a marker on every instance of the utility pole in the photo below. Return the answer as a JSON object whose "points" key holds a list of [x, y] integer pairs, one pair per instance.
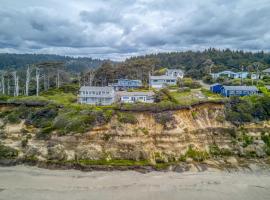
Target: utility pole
{"points": [[257, 69], [149, 75]]}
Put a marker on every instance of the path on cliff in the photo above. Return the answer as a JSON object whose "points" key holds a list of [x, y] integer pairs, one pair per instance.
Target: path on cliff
{"points": [[27, 183]]}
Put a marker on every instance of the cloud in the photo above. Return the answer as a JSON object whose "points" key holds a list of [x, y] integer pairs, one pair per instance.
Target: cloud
{"points": [[119, 29]]}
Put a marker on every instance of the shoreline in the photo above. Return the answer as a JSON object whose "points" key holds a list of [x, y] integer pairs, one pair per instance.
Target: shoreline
{"points": [[31, 183], [180, 167]]}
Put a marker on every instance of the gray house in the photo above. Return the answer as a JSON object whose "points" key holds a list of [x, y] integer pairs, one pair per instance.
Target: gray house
{"points": [[228, 91], [96, 95]]}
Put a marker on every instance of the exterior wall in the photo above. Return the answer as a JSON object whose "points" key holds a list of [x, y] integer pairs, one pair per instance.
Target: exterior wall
{"points": [[175, 73], [124, 84], [96, 95], [160, 83], [216, 88], [230, 74], [228, 93], [96, 100], [133, 99]]}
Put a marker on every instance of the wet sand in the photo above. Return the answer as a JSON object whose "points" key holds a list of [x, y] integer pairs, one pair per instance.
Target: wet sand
{"points": [[27, 183]]}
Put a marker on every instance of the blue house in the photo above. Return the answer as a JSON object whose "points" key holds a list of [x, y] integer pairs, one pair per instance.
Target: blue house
{"points": [[125, 84], [216, 88], [228, 91]]}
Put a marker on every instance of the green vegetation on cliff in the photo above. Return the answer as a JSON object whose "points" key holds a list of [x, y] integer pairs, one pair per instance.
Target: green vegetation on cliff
{"points": [[8, 152]]}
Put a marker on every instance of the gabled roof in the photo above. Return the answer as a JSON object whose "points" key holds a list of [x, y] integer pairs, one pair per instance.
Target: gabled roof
{"points": [[96, 88], [174, 70], [267, 70], [245, 88], [215, 84], [163, 77], [124, 93], [129, 80]]}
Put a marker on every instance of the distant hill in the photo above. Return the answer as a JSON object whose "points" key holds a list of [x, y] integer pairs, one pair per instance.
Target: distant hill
{"points": [[17, 61], [200, 63]]}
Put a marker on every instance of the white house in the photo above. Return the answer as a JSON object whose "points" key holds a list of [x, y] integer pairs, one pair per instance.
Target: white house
{"points": [[230, 74], [132, 97], [267, 72], [162, 81], [170, 78], [178, 73], [96, 95]]}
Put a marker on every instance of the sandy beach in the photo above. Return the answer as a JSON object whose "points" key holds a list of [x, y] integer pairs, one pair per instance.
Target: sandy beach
{"points": [[27, 183]]}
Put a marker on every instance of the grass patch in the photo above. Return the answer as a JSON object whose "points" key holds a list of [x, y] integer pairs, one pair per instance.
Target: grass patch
{"points": [[196, 155], [127, 118], [114, 162], [8, 152]]}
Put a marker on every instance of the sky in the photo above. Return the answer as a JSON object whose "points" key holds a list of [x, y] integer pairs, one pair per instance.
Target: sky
{"points": [[117, 29]]}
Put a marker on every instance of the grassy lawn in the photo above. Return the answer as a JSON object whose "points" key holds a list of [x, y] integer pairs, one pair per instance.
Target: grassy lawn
{"points": [[188, 97], [210, 95], [194, 95]]}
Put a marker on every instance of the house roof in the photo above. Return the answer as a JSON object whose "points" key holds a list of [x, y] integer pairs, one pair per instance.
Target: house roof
{"points": [[215, 84], [96, 88], [124, 93], [246, 88], [174, 70], [129, 80], [268, 87], [163, 77], [267, 70]]}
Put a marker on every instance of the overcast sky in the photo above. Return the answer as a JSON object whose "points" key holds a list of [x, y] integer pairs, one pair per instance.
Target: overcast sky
{"points": [[117, 29]]}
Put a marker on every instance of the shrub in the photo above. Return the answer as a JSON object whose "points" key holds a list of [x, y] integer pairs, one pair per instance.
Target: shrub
{"points": [[24, 142], [196, 154], [12, 118], [45, 133], [8, 152], [164, 95], [247, 140], [238, 111], [43, 117], [75, 125], [189, 82], [164, 118], [194, 114], [216, 151], [127, 118]]}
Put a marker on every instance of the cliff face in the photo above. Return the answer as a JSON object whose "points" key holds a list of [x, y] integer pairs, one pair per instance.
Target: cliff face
{"points": [[148, 139]]}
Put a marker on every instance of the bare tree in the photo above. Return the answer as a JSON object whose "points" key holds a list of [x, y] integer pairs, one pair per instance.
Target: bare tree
{"points": [[91, 75], [8, 86], [16, 83], [27, 82], [2, 83], [37, 80]]}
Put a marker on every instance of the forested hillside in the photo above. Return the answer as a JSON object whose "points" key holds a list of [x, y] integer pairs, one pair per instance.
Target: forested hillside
{"points": [[195, 64], [198, 64], [16, 61]]}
